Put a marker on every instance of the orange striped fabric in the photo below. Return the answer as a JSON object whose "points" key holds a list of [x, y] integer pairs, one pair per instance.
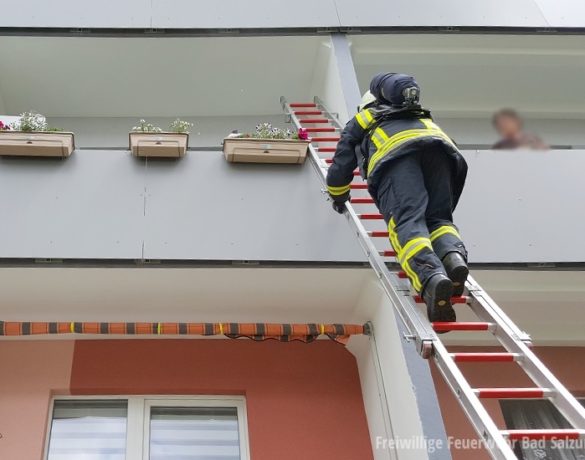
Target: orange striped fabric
{"points": [[255, 331]]}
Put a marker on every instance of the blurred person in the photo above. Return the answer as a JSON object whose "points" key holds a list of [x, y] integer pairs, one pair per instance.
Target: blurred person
{"points": [[510, 127], [415, 175]]}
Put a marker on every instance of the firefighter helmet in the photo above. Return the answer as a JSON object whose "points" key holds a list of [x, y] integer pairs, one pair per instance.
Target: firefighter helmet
{"points": [[367, 99]]}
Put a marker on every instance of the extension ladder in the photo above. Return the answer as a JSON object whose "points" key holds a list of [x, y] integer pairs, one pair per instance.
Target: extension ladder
{"points": [[324, 129]]}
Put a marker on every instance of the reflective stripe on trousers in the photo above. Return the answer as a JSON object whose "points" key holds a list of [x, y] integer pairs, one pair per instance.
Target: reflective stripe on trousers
{"points": [[404, 254], [444, 230]]}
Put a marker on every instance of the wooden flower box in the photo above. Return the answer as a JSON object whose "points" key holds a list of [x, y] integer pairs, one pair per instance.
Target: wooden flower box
{"points": [[36, 144], [158, 145], [252, 150]]}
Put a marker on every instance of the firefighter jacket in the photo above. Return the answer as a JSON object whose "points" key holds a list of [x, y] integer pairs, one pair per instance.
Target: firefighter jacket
{"points": [[376, 136]]}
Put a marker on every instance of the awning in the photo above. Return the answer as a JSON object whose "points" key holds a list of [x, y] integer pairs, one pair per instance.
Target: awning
{"points": [[255, 331]]}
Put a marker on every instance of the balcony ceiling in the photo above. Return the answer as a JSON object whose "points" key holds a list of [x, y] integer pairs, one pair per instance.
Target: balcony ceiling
{"points": [[547, 305], [210, 294]]}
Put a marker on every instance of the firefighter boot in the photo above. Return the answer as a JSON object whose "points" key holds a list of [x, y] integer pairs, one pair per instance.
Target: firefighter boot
{"points": [[437, 295], [457, 271]]}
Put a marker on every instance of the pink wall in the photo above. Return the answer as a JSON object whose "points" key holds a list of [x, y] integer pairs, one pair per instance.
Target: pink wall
{"points": [[304, 400], [31, 373], [560, 360]]}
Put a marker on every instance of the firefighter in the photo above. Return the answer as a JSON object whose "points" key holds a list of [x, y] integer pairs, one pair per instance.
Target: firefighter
{"points": [[415, 175]]}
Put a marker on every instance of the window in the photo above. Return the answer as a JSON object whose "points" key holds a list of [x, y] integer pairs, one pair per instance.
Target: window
{"points": [[530, 414], [92, 429], [178, 432], [148, 428]]}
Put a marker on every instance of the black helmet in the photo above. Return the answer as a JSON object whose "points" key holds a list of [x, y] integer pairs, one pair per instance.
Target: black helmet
{"points": [[396, 89]]}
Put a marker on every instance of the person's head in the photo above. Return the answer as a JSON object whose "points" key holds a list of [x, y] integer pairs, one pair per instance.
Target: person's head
{"points": [[395, 89], [507, 123]]}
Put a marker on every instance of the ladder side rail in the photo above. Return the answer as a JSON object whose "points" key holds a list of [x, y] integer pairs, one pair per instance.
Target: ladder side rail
{"points": [[496, 444], [418, 327], [498, 315], [562, 398]]}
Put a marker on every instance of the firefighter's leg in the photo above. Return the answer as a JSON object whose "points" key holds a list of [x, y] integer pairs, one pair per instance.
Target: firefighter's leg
{"points": [[444, 235], [402, 199]]}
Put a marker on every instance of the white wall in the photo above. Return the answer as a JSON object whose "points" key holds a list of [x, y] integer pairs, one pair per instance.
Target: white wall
{"points": [[373, 393], [517, 207], [327, 83], [394, 388], [148, 77], [523, 203]]}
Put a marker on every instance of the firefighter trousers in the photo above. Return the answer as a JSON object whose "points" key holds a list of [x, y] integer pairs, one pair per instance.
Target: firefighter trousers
{"points": [[415, 197]]}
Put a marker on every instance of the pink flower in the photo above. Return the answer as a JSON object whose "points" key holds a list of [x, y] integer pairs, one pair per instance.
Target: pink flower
{"points": [[303, 134], [4, 127]]}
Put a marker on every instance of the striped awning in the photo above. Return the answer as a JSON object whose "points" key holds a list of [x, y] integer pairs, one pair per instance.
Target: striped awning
{"points": [[255, 331]]}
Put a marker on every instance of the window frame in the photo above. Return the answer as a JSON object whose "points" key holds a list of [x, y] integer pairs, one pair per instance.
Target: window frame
{"points": [[138, 417]]}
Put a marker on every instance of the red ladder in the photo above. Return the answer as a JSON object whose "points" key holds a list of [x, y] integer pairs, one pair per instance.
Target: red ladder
{"points": [[491, 317]]}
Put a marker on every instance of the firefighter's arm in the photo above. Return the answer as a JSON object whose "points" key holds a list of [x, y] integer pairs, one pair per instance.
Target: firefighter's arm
{"points": [[340, 174]]}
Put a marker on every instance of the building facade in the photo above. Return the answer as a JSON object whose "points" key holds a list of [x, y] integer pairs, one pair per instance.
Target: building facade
{"points": [[102, 254]]}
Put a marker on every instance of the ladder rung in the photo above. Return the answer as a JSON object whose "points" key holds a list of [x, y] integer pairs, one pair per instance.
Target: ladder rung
{"points": [[321, 130], [545, 435], [325, 139], [454, 300], [510, 393], [388, 253], [378, 234], [298, 105], [307, 112], [462, 326], [362, 200], [484, 357], [373, 216], [327, 149], [359, 186], [314, 120]]}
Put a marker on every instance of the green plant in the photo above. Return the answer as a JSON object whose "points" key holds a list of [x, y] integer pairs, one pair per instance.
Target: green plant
{"points": [[180, 126], [267, 131], [144, 127], [31, 121]]}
